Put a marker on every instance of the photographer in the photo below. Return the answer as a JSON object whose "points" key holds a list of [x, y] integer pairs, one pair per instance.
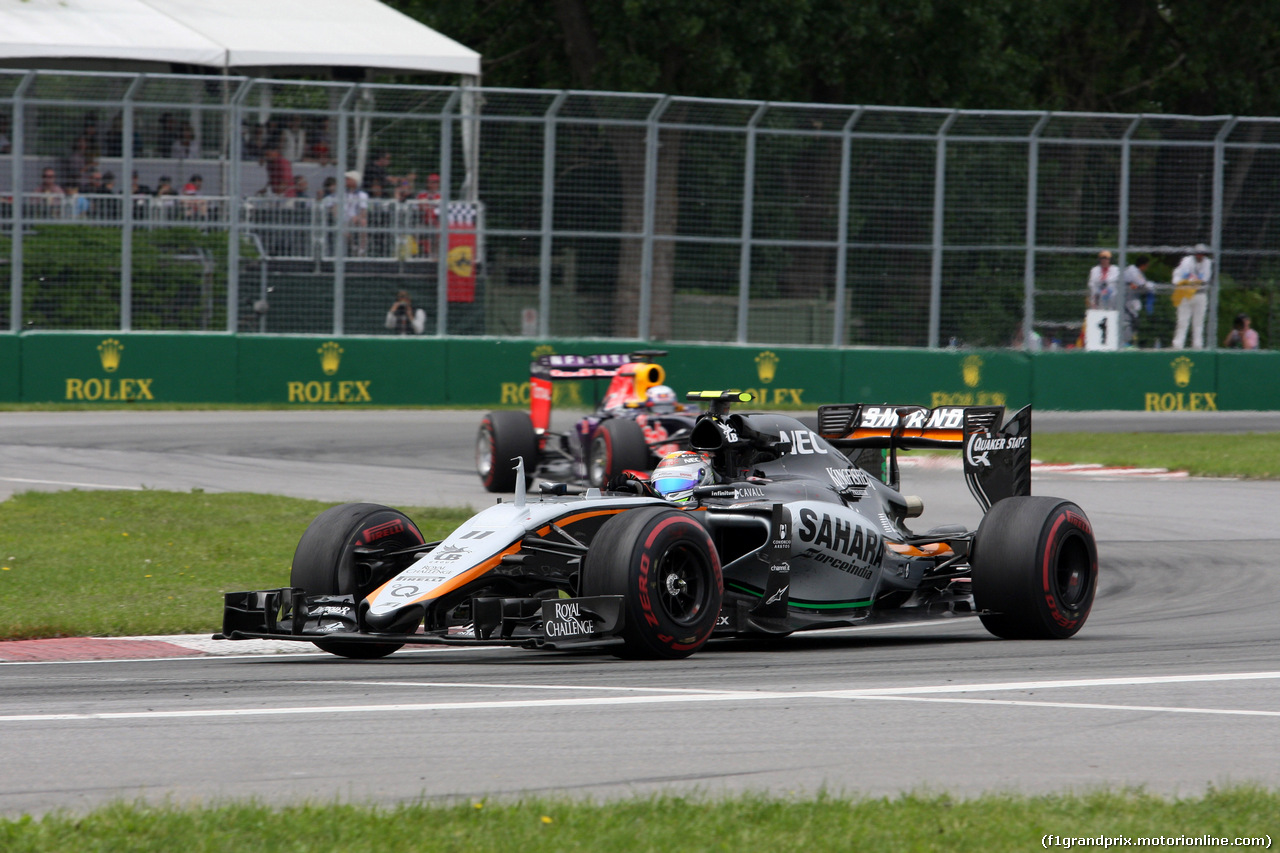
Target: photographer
{"points": [[403, 319]]}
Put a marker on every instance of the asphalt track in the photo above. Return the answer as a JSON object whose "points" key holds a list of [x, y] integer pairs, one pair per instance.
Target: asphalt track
{"points": [[1174, 684]]}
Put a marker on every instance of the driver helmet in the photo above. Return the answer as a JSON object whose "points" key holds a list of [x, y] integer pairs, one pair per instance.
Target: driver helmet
{"points": [[661, 399], [679, 473]]}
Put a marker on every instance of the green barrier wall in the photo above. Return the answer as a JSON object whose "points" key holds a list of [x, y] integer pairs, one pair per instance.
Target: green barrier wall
{"points": [[10, 368], [383, 370], [937, 377], [1249, 380], [1147, 380], [310, 371], [128, 367]]}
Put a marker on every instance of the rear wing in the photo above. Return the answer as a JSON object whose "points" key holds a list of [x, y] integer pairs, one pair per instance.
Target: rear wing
{"points": [[632, 375], [996, 453]]}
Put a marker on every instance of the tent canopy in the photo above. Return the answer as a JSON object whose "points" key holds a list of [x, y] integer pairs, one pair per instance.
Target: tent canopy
{"points": [[247, 36]]}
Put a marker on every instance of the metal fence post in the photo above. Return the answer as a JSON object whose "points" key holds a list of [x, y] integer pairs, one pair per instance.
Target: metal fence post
{"points": [[18, 153], [442, 221], [939, 207], [233, 208], [1215, 232], [748, 211], [548, 219], [340, 212], [842, 228], [126, 192], [1029, 262], [644, 311]]}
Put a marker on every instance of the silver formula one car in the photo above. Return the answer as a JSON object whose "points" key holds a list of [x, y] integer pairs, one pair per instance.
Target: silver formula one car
{"points": [[780, 533]]}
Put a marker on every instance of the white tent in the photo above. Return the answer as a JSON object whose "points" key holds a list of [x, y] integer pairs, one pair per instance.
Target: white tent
{"points": [[241, 36]]}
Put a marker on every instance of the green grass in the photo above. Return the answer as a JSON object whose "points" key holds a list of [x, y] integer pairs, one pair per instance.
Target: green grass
{"points": [[115, 563], [1252, 455], [668, 824]]}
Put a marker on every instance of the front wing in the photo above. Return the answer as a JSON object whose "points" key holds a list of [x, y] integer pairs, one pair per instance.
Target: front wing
{"points": [[292, 614]]}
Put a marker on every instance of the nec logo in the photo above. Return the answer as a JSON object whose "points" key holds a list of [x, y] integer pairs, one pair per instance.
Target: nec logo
{"points": [[802, 441]]}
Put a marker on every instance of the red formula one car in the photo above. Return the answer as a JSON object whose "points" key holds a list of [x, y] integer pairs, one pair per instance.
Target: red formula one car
{"points": [[636, 422]]}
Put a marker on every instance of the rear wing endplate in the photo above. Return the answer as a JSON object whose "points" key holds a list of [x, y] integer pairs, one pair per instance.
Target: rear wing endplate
{"points": [[996, 453]]}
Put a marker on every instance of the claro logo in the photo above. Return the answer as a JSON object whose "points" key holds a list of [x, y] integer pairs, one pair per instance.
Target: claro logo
{"points": [[114, 389], [330, 390]]}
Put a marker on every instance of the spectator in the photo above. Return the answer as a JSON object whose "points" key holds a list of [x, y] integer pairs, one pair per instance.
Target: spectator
{"points": [[6, 144], [328, 189], [139, 188], [194, 207], [356, 213], [253, 139], [300, 188], [430, 200], [76, 205], [184, 146], [166, 134], [403, 319], [93, 188], [1103, 280], [319, 150], [107, 206], [1190, 279], [83, 156], [1137, 289], [279, 170], [1242, 334], [49, 182], [165, 187], [92, 183], [293, 140], [376, 173]]}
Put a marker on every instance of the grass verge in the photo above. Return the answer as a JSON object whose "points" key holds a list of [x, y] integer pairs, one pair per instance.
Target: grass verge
{"points": [[115, 563], [1249, 455], [662, 823]]}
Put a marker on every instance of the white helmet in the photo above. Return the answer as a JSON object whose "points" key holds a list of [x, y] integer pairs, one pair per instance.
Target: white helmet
{"points": [[679, 473], [661, 399]]}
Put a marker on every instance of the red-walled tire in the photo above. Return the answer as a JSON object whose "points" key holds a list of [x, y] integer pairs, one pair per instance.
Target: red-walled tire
{"points": [[325, 562], [1035, 568], [618, 444], [665, 565], [503, 436]]}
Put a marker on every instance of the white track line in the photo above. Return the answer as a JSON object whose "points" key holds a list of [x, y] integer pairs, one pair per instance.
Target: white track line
{"points": [[673, 697]]}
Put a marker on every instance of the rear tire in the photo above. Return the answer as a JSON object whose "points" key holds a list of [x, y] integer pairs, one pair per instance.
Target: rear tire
{"points": [[503, 436], [665, 565], [325, 562], [1035, 568], [618, 444]]}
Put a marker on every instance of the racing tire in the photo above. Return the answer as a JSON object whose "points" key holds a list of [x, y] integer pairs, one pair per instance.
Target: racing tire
{"points": [[503, 436], [325, 561], [618, 444], [1035, 568], [664, 564]]}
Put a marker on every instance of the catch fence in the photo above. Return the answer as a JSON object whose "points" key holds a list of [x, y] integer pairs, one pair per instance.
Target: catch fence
{"points": [[170, 202]]}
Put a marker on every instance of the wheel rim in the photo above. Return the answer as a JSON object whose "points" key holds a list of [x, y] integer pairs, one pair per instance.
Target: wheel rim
{"points": [[1072, 572], [484, 453], [683, 585], [599, 461]]}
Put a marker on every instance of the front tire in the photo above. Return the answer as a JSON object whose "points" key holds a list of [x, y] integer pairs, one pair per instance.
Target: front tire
{"points": [[665, 565], [1035, 568], [503, 436], [325, 562], [618, 445]]}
